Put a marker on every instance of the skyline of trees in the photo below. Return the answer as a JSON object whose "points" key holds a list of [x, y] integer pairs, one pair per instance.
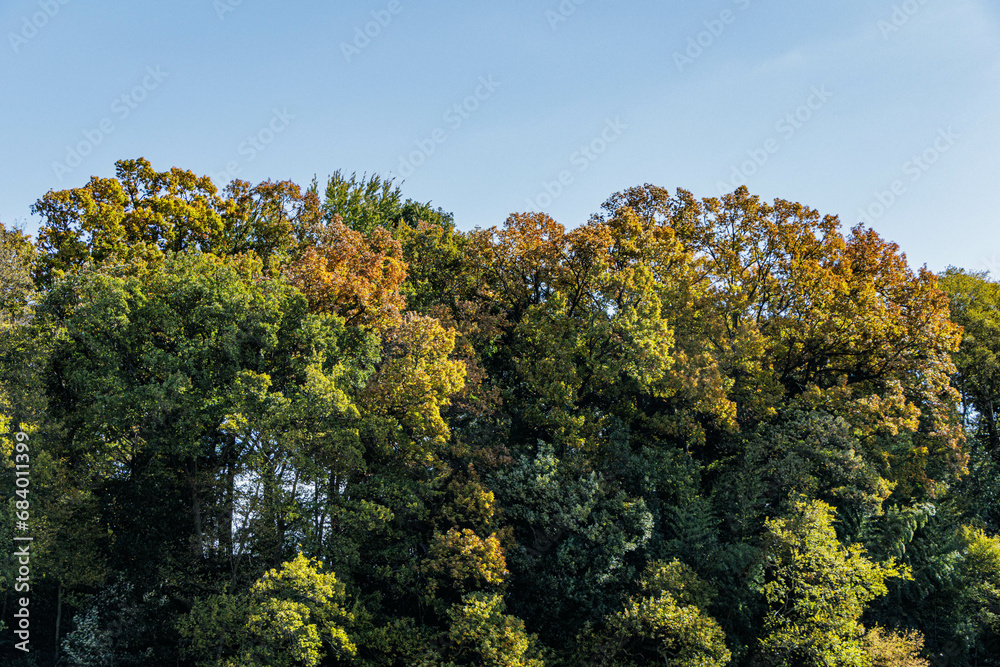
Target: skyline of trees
{"points": [[279, 425]]}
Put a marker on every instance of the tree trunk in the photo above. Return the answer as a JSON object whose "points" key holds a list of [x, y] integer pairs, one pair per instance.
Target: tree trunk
{"points": [[192, 475], [58, 619], [991, 427], [227, 531]]}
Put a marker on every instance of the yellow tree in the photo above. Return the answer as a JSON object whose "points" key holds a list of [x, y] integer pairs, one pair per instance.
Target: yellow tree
{"points": [[142, 213], [816, 591]]}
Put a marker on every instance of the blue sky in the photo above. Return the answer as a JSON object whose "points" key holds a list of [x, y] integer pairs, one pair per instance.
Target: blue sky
{"points": [[882, 110]]}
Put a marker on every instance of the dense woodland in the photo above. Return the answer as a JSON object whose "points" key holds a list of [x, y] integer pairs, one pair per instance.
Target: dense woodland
{"points": [[275, 425]]}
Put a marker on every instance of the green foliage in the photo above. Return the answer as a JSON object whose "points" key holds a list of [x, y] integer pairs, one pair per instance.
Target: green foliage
{"points": [[576, 538], [438, 265], [481, 634], [680, 581], [975, 305], [367, 202], [979, 606], [17, 255], [623, 443], [817, 590], [814, 455], [122, 626], [363, 203], [665, 623], [291, 616]]}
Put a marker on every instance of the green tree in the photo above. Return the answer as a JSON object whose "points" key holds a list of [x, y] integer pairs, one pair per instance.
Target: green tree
{"points": [[17, 255], [816, 591], [665, 622], [802, 454], [148, 374], [978, 612], [975, 305], [578, 540], [363, 203], [291, 616], [367, 202], [481, 634]]}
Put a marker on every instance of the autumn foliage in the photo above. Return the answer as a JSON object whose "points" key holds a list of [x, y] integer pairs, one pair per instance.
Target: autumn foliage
{"points": [[274, 425]]}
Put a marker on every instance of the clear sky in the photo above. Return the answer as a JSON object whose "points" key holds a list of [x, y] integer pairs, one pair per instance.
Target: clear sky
{"points": [[887, 110]]}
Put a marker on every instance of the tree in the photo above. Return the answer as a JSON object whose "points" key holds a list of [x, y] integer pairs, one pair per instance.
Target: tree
{"points": [[351, 274], [978, 613], [294, 615], [791, 309], [481, 634], [617, 444], [577, 542], [461, 562], [666, 622], [363, 203], [416, 380], [16, 288], [892, 649], [369, 202], [149, 375], [122, 625], [439, 268], [142, 213], [802, 454], [816, 591], [975, 305]]}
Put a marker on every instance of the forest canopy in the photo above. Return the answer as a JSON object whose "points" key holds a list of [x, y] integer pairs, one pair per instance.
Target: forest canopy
{"points": [[284, 425]]}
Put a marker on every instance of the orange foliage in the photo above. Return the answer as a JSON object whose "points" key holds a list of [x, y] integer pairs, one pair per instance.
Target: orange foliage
{"points": [[353, 275]]}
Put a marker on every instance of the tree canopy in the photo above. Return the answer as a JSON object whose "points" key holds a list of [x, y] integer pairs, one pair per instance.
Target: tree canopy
{"points": [[284, 425]]}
